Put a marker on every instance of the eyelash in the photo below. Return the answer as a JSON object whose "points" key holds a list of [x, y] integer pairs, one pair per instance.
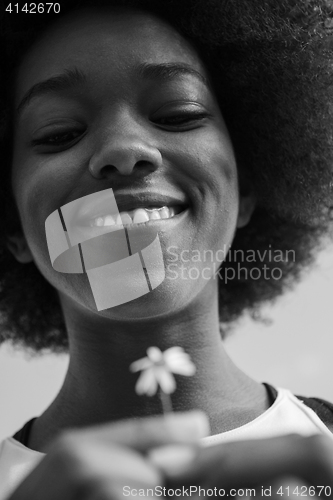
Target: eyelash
{"points": [[69, 136], [184, 118], [49, 140]]}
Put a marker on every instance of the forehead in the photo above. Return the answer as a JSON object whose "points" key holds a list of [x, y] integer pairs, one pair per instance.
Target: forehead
{"points": [[104, 38]]}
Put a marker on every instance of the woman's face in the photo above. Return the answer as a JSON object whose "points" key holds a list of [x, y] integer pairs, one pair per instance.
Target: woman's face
{"points": [[130, 110]]}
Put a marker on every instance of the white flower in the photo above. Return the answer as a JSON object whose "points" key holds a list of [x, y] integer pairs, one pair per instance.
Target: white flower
{"points": [[157, 369]]}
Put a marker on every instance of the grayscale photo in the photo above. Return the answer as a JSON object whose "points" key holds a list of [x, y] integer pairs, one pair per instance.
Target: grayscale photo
{"points": [[166, 243]]}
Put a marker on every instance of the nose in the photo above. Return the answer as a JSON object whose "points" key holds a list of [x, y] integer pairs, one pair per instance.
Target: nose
{"points": [[125, 152]]}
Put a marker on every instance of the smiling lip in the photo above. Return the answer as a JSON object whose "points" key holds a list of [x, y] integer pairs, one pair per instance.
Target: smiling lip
{"points": [[126, 202]]}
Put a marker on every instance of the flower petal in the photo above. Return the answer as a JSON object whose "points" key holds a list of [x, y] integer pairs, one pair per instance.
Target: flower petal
{"points": [[180, 362], [146, 383], [154, 354], [152, 389], [177, 359], [165, 379], [172, 351], [187, 369], [140, 364]]}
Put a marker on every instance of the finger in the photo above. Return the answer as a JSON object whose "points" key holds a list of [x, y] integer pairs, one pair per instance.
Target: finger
{"points": [[145, 433], [255, 462], [86, 472], [174, 458]]}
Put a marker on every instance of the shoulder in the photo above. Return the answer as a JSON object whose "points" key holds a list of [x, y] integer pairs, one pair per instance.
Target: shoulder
{"points": [[322, 408], [12, 453], [16, 461], [319, 411]]}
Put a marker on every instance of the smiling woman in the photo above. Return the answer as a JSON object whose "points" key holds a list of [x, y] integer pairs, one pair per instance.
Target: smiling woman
{"points": [[127, 121], [137, 130], [287, 210]]}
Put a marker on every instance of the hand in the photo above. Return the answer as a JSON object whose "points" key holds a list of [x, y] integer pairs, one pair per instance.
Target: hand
{"points": [[96, 463], [253, 464]]}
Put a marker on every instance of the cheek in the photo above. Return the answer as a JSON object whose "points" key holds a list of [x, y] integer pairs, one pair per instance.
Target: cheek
{"points": [[40, 186], [209, 164], [37, 197]]}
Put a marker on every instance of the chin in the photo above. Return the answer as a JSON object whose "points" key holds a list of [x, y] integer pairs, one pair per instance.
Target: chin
{"points": [[164, 300]]}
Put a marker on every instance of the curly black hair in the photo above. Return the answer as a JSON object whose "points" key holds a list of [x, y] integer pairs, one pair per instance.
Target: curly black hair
{"points": [[271, 67]]}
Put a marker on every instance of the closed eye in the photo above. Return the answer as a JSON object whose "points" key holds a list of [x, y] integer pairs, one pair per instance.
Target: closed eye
{"points": [[57, 139], [181, 120]]}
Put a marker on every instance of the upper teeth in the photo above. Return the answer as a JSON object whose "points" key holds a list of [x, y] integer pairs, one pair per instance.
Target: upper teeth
{"points": [[135, 216]]}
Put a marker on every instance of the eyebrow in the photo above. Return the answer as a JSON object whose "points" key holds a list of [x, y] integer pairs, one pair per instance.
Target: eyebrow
{"points": [[168, 71], [70, 78], [74, 77]]}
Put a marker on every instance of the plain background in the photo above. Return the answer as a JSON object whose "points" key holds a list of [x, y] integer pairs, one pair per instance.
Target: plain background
{"points": [[295, 352]]}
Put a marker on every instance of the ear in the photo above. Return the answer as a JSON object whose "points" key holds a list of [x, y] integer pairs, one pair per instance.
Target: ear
{"points": [[246, 208], [18, 246], [247, 201]]}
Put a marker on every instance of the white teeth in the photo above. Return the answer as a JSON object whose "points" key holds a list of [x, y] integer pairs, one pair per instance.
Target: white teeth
{"points": [[154, 215], [164, 213], [124, 218], [109, 221], [140, 215]]}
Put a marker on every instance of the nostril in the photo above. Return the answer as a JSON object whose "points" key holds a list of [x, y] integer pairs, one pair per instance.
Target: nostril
{"points": [[141, 163], [144, 167], [107, 169], [124, 161]]}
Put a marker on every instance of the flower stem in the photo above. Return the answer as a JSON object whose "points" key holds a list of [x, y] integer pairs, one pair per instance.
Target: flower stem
{"points": [[166, 402]]}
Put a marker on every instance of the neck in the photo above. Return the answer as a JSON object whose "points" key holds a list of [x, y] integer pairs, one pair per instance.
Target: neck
{"points": [[99, 386]]}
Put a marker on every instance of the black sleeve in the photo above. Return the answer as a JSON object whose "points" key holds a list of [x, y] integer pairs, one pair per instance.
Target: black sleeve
{"points": [[22, 436]]}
